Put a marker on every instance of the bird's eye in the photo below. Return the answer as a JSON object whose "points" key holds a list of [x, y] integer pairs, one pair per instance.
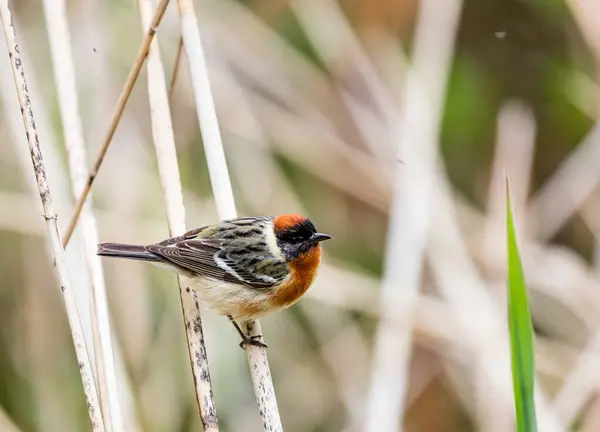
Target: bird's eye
{"points": [[295, 239]]}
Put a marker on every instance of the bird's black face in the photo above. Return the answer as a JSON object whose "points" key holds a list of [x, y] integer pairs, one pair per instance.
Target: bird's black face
{"points": [[299, 239]]}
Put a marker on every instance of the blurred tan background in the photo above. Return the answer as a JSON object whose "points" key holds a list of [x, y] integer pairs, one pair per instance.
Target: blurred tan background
{"points": [[327, 108]]}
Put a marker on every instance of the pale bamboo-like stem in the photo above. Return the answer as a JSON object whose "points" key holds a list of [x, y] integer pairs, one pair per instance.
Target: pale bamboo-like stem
{"points": [[60, 264], [409, 219], [583, 90], [577, 177], [12, 129], [579, 384], [176, 68], [164, 141], [64, 76], [569, 187], [515, 144], [223, 194], [61, 194], [586, 13], [114, 122]]}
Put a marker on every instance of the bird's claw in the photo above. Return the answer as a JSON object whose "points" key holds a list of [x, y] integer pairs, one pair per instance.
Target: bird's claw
{"points": [[252, 340]]}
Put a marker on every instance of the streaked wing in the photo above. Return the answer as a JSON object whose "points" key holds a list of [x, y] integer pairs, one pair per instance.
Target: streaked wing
{"points": [[196, 260], [203, 252], [266, 271]]}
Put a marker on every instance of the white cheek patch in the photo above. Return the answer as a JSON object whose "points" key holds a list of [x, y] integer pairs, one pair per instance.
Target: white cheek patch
{"points": [[272, 241]]}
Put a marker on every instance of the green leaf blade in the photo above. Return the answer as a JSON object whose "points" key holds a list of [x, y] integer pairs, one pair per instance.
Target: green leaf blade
{"points": [[521, 331]]}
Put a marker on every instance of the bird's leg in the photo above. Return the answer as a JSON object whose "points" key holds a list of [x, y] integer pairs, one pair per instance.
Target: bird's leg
{"points": [[246, 339]]}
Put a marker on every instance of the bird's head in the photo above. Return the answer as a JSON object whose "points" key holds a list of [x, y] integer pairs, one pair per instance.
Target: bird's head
{"points": [[296, 235]]}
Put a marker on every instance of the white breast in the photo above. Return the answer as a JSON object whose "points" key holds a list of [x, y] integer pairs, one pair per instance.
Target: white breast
{"points": [[225, 298]]}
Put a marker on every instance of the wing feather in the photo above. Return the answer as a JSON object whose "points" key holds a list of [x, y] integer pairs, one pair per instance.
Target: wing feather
{"points": [[209, 251]]}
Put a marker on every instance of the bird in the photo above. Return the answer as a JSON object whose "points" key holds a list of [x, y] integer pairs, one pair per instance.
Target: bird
{"points": [[243, 268]]}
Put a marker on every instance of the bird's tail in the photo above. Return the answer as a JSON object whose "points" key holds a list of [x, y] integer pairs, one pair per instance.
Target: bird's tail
{"points": [[119, 250]]}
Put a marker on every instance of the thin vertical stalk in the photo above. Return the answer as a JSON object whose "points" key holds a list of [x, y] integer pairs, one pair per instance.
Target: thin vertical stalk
{"points": [[60, 264], [411, 208], [176, 68], [114, 122], [223, 194], [164, 141], [513, 154], [579, 384], [64, 76]]}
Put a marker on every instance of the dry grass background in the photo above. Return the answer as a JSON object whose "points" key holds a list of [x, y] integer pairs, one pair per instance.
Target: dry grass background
{"points": [[401, 160]]}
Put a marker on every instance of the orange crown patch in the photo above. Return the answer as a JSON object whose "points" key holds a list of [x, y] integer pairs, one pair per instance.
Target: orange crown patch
{"points": [[287, 221]]}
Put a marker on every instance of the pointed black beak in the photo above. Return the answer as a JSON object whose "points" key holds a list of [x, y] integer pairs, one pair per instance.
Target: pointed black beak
{"points": [[318, 237]]}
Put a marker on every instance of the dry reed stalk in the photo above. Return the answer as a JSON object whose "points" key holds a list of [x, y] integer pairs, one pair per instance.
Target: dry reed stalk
{"points": [[64, 76], [567, 190], [515, 144], [42, 368], [459, 282], [586, 13], [589, 216], [121, 102], [223, 194], [409, 218], [579, 384], [50, 217], [62, 195], [335, 331], [164, 141], [577, 178], [264, 184], [176, 68]]}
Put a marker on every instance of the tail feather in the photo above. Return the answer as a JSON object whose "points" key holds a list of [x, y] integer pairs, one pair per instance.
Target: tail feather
{"points": [[119, 250]]}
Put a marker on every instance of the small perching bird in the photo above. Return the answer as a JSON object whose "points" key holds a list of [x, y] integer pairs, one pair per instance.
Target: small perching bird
{"points": [[244, 268]]}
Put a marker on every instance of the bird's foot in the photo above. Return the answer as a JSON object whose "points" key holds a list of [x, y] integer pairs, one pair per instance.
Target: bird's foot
{"points": [[252, 340]]}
